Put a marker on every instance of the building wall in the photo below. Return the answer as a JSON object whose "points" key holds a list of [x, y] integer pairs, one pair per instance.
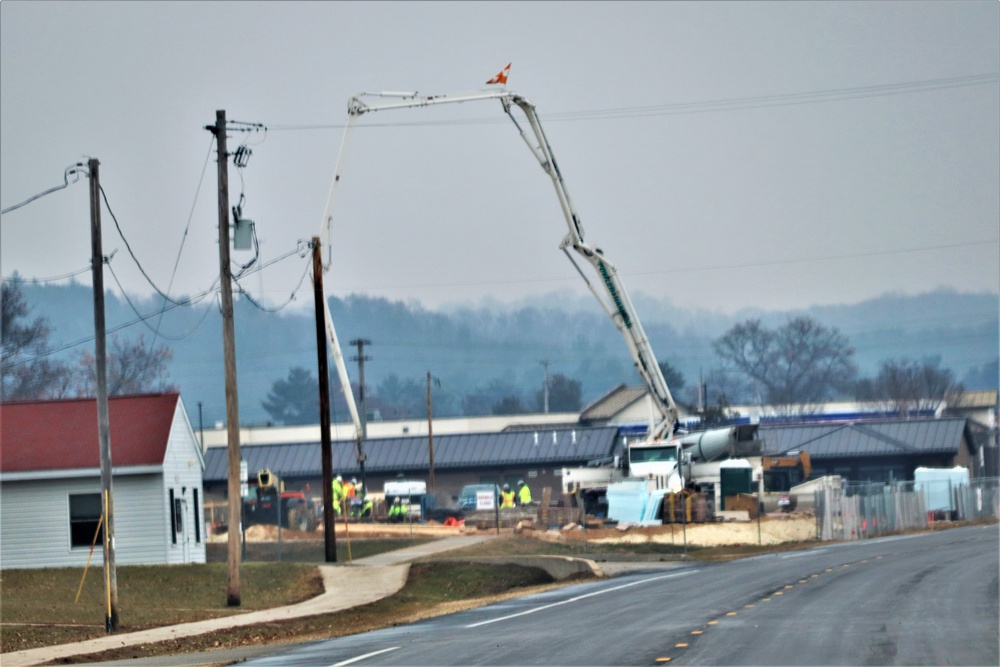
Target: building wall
{"points": [[34, 521], [183, 466]]}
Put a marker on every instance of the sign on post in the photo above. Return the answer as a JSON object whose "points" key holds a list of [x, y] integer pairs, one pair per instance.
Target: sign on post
{"points": [[485, 500]]}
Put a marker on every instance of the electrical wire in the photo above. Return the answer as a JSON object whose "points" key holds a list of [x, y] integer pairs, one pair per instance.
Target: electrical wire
{"points": [[143, 318], [62, 348], [187, 227], [132, 254], [708, 106], [74, 170], [52, 279], [302, 247]]}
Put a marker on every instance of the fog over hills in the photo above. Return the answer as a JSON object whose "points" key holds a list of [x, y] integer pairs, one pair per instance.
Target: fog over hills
{"points": [[490, 346]]}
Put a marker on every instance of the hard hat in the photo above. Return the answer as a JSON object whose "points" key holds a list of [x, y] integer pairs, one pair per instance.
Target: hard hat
{"points": [[506, 486], [520, 481], [354, 480], [339, 478], [396, 501]]}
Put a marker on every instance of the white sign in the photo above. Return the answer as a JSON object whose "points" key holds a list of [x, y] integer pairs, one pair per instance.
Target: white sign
{"points": [[485, 500], [244, 479]]}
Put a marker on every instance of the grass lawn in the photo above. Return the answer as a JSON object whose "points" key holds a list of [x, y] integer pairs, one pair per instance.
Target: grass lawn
{"points": [[39, 607]]}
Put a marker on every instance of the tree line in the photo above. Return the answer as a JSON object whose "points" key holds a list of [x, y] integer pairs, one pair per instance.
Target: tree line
{"points": [[789, 367]]}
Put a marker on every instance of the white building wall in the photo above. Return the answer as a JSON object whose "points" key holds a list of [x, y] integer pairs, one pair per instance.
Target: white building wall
{"points": [[183, 466], [34, 522]]}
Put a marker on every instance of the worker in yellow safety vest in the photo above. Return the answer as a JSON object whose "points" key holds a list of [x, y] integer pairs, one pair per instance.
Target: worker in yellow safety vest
{"points": [[506, 498], [523, 493], [338, 494], [397, 512]]}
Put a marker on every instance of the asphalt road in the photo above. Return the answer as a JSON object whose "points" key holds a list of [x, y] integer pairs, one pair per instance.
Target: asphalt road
{"points": [[926, 599]]}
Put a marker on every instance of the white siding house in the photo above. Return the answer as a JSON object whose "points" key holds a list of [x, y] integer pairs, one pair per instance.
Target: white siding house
{"points": [[50, 485]]}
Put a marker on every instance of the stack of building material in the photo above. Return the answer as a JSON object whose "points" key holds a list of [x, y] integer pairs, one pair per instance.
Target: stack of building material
{"points": [[633, 502]]}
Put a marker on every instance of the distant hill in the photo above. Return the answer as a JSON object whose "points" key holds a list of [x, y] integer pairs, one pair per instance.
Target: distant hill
{"points": [[470, 346]]}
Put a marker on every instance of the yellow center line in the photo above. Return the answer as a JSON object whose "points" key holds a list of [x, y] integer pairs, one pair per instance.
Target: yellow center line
{"points": [[663, 660], [696, 632], [680, 645], [730, 613]]}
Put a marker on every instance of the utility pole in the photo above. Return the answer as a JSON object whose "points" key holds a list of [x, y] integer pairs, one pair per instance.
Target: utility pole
{"points": [[545, 384], [361, 359], [229, 358], [103, 417], [430, 433], [323, 371]]}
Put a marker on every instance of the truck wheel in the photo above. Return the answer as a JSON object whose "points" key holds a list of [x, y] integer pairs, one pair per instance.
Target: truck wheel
{"points": [[298, 520]]}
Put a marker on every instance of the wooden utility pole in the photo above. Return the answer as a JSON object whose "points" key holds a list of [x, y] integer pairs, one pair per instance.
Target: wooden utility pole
{"points": [[323, 371], [103, 418], [430, 434], [229, 359]]}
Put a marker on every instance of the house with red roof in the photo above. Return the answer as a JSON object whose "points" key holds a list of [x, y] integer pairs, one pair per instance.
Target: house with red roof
{"points": [[50, 482]]}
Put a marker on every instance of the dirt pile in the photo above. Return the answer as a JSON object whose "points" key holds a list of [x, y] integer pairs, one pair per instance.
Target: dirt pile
{"points": [[772, 529], [262, 533]]}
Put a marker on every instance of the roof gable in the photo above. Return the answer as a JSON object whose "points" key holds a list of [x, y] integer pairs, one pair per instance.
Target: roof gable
{"points": [[62, 434], [612, 403]]}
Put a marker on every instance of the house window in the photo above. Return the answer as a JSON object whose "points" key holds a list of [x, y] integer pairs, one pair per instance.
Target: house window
{"points": [[84, 517], [173, 519]]}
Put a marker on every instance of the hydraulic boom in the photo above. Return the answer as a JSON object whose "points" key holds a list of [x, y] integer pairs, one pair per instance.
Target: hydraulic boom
{"points": [[611, 294]]}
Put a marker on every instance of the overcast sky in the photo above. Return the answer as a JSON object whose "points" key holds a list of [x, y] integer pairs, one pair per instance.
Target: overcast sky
{"points": [[723, 155]]}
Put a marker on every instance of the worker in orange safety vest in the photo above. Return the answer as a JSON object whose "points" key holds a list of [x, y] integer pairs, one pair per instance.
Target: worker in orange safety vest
{"points": [[506, 498]]}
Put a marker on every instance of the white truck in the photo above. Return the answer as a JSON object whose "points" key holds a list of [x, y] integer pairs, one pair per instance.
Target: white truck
{"points": [[661, 458]]}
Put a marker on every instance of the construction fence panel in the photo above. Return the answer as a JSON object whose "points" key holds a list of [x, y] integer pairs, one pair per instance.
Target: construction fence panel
{"points": [[862, 510]]}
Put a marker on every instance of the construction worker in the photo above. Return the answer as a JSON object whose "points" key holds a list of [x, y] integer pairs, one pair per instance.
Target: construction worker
{"points": [[349, 488], [397, 512], [523, 493], [367, 508], [506, 498], [338, 494]]}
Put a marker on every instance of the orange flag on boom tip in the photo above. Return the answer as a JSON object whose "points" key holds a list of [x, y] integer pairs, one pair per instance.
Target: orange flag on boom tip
{"points": [[501, 76]]}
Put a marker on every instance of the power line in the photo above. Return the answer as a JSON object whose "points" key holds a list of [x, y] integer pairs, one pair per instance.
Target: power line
{"points": [[51, 279], [72, 170], [708, 106]]}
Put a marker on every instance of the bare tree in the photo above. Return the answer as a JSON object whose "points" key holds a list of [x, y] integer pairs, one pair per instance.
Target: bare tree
{"points": [[799, 363], [27, 371], [908, 387], [133, 368]]}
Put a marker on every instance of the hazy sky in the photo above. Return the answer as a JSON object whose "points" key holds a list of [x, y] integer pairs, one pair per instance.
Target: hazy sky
{"points": [[723, 155]]}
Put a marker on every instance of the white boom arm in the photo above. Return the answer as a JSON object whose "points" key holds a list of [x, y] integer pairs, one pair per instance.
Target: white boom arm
{"points": [[615, 300]]}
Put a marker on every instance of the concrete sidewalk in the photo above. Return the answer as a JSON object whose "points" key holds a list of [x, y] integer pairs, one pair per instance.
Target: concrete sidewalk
{"points": [[349, 585]]}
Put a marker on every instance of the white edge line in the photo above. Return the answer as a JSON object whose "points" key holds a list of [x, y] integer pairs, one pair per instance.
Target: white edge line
{"points": [[366, 655], [800, 554], [580, 597]]}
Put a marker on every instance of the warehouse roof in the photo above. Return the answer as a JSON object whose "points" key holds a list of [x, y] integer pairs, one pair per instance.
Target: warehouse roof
{"points": [[869, 438], [451, 451]]}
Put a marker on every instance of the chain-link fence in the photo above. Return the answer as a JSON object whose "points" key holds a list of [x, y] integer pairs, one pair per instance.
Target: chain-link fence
{"points": [[860, 510]]}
